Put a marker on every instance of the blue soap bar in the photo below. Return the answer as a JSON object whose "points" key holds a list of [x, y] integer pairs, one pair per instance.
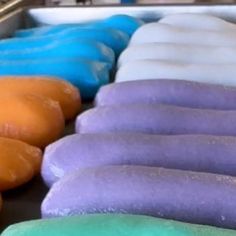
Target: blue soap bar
{"points": [[115, 39], [125, 23], [87, 75], [73, 48]]}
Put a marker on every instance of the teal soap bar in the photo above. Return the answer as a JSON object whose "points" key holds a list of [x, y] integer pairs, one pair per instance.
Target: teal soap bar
{"points": [[87, 75], [112, 225]]}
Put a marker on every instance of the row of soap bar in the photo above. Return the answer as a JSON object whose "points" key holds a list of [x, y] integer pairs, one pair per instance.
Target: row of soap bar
{"points": [[121, 181], [125, 127], [174, 48], [83, 54], [37, 107], [102, 182], [34, 113], [74, 152]]}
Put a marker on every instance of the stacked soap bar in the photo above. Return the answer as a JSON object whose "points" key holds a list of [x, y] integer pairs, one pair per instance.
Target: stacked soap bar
{"points": [[191, 47], [40, 69], [34, 111], [162, 145], [83, 54]]}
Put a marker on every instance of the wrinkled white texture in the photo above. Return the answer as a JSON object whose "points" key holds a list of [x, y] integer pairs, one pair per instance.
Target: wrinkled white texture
{"points": [[173, 52], [197, 21], [159, 33], [157, 69]]}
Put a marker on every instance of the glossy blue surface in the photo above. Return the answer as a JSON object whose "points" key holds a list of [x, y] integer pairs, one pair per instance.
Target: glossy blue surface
{"points": [[87, 75], [115, 39], [73, 48]]}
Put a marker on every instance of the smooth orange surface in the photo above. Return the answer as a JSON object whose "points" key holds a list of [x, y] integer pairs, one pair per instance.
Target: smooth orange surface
{"points": [[33, 119], [65, 93], [19, 162]]}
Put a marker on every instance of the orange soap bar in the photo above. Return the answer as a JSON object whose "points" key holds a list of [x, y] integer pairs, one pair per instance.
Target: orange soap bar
{"points": [[65, 93], [19, 162], [33, 119]]}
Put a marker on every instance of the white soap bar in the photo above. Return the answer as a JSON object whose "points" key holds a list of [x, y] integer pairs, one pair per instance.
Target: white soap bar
{"points": [[198, 21], [173, 52], [164, 33], [157, 69]]}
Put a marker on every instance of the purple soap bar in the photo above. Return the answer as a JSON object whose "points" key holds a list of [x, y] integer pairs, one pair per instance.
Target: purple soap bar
{"points": [[204, 153], [187, 196], [173, 92], [156, 119]]}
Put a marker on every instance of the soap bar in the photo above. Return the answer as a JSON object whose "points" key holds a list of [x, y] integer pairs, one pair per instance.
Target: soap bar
{"points": [[61, 91], [125, 23], [86, 75], [223, 74], [33, 119], [19, 162], [115, 39], [198, 21], [156, 119], [215, 154], [173, 92], [112, 224], [73, 48], [181, 53], [193, 197], [160, 32]]}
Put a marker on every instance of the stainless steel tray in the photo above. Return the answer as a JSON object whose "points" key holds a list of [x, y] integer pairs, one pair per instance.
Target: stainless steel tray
{"points": [[24, 203], [27, 17]]}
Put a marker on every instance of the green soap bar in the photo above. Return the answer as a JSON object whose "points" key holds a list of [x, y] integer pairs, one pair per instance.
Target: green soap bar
{"points": [[112, 225]]}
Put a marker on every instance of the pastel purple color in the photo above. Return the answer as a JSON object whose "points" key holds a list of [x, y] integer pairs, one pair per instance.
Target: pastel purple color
{"points": [[193, 197], [173, 92], [215, 154], [156, 119]]}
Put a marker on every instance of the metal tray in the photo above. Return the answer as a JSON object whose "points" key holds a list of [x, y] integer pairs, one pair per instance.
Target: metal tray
{"points": [[24, 203], [29, 17]]}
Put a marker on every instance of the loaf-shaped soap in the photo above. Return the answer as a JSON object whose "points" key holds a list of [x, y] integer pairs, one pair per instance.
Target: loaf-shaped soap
{"points": [[125, 23], [193, 197], [198, 21], [61, 91], [173, 52], [156, 119], [112, 224], [86, 75], [173, 92], [164, 33], [215, 154], [30, 118], [19, 162], [115, 39], [224, 74], [64, 49]]}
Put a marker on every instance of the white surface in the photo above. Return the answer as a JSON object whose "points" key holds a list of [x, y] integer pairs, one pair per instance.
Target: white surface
{"points": [[157, 69]]}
